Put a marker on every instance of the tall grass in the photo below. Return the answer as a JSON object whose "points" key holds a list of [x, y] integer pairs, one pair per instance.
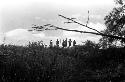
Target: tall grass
{"points": [[35, 63]]}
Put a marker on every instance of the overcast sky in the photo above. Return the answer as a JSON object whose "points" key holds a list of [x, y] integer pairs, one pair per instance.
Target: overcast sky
{"points": [[17, 16]]}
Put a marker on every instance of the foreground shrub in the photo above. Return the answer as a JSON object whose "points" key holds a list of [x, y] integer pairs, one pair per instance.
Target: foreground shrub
{"points": [[38, 64]]}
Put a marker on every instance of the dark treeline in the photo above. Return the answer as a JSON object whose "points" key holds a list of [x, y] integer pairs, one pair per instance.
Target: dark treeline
{"points": [[85, 63]]}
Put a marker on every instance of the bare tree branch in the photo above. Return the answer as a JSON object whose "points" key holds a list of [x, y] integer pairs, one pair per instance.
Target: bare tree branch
{"points": [[56, 27], [96, 33], [116, 37], [79, 23]]}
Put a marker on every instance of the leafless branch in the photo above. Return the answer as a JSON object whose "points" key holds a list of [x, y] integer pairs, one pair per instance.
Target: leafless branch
{"points": [[79, 23], [116, 37], [53, 27]]}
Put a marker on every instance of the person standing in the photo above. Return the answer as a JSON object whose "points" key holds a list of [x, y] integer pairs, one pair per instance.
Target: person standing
{"points": [[66, 42], [63, 43], [57, 43], [51, 43], [70, 41], [74, 43]]}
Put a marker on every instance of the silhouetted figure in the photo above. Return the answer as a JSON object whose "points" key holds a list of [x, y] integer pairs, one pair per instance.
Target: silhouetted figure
{"points": [[70, 42], [66, 42], [63, 44], [51, 43], [74, 43], [57, 42]]}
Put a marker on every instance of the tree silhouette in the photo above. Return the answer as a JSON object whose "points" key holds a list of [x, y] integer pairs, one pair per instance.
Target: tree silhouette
{"points": [[115, 22]]}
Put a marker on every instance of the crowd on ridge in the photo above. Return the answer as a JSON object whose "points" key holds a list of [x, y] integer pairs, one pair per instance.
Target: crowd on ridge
{"points": [[65, 43]]}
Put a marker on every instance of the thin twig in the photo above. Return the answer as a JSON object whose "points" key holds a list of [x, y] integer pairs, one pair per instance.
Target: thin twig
{"points": [[87, 19]]}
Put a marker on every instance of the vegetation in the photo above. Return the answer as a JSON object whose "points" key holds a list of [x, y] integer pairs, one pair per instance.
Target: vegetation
{"points": [[75, 64], [115, 24], [90, 62]]}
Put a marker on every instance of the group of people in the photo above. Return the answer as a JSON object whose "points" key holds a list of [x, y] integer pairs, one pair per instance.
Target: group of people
{"points": [[64, 43]]}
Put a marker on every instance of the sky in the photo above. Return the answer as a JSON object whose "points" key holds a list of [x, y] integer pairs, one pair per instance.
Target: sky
{"points": [[17, 16]]}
